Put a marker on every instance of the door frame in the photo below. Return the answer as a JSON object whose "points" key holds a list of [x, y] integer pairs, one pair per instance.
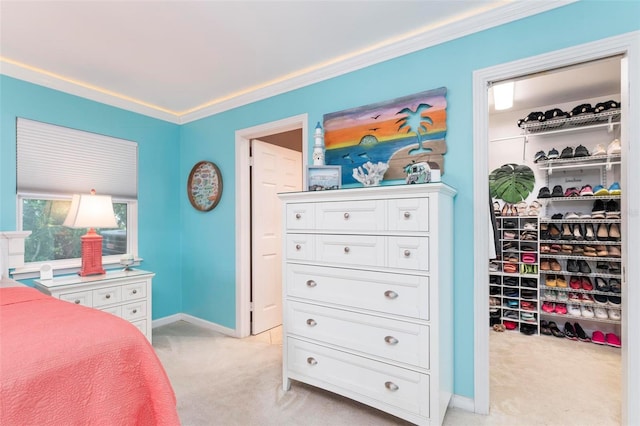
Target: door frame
{"points": [[243, 210], [628, 45]]}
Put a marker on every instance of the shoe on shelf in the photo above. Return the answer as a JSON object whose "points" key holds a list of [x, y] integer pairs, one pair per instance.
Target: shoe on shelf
{"points": [[599, 209], [614, 300], [561, 309], [509, 325], [557, 216], [567, 153], [600, 190], [602, 233], [557, 191], [569, 331], [615, 286], [544, 192], [548, 307], [614, 189], [567, 233], [572, 265], [581, 151], [555, 330], [584, 267], [589, 233], [550, 295], [612, 209], [573, 310], [613, 314], [586, 298], [600, 313], [601, 251], [598, 338], [582, 336], [614, 147], [540, 156], [555, 266], [586, 311], [586, 191], [563, 296], [613, 340], [601, 300], [544, 328], [577, 232], [614, 251], [550, 281], [553, 154], [571, 192], [534, 208], [586, 283], [614, 268], [598, 150], [614, 232], [575, 283]]}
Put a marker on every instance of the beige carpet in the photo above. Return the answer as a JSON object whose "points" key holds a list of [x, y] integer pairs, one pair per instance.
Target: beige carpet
{"points": [[535, 380]]}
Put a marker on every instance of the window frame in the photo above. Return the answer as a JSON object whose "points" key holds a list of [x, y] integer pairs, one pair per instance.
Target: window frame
{"points": [[64, 266]]}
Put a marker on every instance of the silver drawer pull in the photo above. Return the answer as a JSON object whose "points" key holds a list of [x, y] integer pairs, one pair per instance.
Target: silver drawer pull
{"points": [[391, 386], [311, 322], [407, 215], [77, 302], [391, 340], [346, 215], [108, 296], [407, 253], [298, 215], [135, 311], [311, 283], [389, 294], [298, 246], [311, 361], [134, 292], [347, 249]]}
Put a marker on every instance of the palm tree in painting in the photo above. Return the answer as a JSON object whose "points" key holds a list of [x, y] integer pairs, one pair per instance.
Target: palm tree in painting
{"points": [[414, 121]]}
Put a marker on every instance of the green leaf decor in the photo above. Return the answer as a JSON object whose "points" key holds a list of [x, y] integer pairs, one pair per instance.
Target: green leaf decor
{"points": [[511, 182]]}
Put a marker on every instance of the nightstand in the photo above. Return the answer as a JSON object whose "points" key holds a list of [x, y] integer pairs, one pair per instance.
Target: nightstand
{"points": [[126, 294]]}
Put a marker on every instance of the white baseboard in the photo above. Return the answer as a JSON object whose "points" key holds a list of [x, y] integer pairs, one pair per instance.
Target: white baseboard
{"points": [[166, 320], [463, 403], [196, 321]]}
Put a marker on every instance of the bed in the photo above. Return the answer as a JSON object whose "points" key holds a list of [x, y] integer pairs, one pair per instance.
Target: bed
{"points": [[65, 364]]}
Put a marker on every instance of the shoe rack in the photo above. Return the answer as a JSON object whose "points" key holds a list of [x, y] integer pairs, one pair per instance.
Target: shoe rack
{"points": [[513, 279]]}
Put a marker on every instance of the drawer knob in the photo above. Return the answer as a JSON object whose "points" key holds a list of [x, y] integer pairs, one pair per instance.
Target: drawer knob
{"points": [[347, 249], [298, 215], [407, 215], [108, 296], [311, 283], [298, 246], [311, 361], [391, 386], [407, 253], [134, 292], [311, 322], [389, 294], [391, 340], [77, 301], [135, 311], [346, 215]]}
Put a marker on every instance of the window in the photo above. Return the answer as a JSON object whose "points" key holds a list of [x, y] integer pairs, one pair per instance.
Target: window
{"points": [[56, 162]]}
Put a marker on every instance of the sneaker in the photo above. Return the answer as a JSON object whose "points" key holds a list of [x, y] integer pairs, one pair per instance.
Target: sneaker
{"points": [[550, 295], [540, 156], [582, 336], [586, 191], [583, 266], [613, 340], [567, 153], [544, 192], [587, 284], [561, 309], [598, 210], [572, 192], [614, 300], [586, 298], [563, 296], [614, 189], [598, 150], [614, 147], [600, 299], [557, 191], [548, 307], [569, 331], [575, 283], [613, 314], [581, 151], [574, 298], [600, 190], [600, 313], [557, 216], [587, 311], [553, 154], [612, 210]]}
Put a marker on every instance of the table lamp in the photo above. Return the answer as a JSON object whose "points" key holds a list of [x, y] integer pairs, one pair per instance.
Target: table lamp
{"points": [[91, 211]]}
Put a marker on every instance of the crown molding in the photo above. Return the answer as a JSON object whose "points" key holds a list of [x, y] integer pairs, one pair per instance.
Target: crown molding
{"points": [[504, 13]]}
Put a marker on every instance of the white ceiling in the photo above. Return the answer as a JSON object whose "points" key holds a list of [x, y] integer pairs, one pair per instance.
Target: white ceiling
{"points": [[181, 60]]}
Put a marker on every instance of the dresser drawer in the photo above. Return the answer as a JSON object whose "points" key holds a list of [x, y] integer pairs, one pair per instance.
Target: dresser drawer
{"points": [[408, 214], [134, 311], [106, 296], [360, 378], [381, 337], [300, 216], [299, 247], [364, 215], [408, 253], [133, 291], [397, 294], [142, 326], [113, 310], [83, 298], [356, 250]]}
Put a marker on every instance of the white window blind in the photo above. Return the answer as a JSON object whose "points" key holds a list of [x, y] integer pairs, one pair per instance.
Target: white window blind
{"points": [[58, 160]]}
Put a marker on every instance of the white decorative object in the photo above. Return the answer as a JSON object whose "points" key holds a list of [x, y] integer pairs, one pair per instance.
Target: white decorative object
{"points": [[368, 296], [373, 175], [318, 147], [11, 250]]}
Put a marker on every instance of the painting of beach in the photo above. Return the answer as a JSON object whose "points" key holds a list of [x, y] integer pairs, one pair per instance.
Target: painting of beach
{"points": [[400, 132]]}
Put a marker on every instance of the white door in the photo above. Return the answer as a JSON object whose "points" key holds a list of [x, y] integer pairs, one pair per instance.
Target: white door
{"points": [[275, 169]]}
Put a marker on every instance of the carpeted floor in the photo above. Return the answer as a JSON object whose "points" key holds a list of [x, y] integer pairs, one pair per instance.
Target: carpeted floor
{"points": [[535, 380]]}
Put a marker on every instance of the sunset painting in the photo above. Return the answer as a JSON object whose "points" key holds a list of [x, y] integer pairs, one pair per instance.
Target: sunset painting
{"points": [[401, 132]]}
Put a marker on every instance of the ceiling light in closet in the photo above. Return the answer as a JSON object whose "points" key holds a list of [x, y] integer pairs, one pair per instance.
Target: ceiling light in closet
{"points": [[503, 95]]}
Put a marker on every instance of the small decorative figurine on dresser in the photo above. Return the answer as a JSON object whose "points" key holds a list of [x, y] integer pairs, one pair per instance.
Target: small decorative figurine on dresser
{"points": [[318, 147], [418, 173]]}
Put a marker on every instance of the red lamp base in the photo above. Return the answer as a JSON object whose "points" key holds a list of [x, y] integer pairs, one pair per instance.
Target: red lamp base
{"points": [[91, 254]]}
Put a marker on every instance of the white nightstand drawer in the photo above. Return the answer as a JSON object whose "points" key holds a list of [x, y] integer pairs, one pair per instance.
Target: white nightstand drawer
{"points": [[106, 296], [351, 216], [142, 326], [359, 377], [299, 246], [114, 310], [299, 216], [408, 214], [408, 253], [356, 250], [395, 340], [133, 291], [134, 311], [398, 294], [83, 298]]}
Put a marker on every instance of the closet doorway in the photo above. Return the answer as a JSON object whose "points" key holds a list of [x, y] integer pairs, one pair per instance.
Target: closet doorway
{"points": [[621, 50]]}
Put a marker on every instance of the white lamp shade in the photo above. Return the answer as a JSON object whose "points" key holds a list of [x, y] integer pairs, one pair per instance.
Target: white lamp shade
{"points": [[503, 95], [91, 211]]}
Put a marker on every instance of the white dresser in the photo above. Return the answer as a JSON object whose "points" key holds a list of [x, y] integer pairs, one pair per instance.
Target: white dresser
{"points": [[126, 294], [368, 296]]}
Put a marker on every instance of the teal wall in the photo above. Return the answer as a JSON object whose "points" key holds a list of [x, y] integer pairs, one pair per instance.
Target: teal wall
{"points": [[158, 174], [204, 266]]}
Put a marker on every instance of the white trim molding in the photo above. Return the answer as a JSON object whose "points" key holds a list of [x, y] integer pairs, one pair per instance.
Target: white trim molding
{"points": [[628, 47], [193, 320]]}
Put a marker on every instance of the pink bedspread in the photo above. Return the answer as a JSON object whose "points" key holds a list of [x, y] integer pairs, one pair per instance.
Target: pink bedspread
{"points": [[64, 364]]}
